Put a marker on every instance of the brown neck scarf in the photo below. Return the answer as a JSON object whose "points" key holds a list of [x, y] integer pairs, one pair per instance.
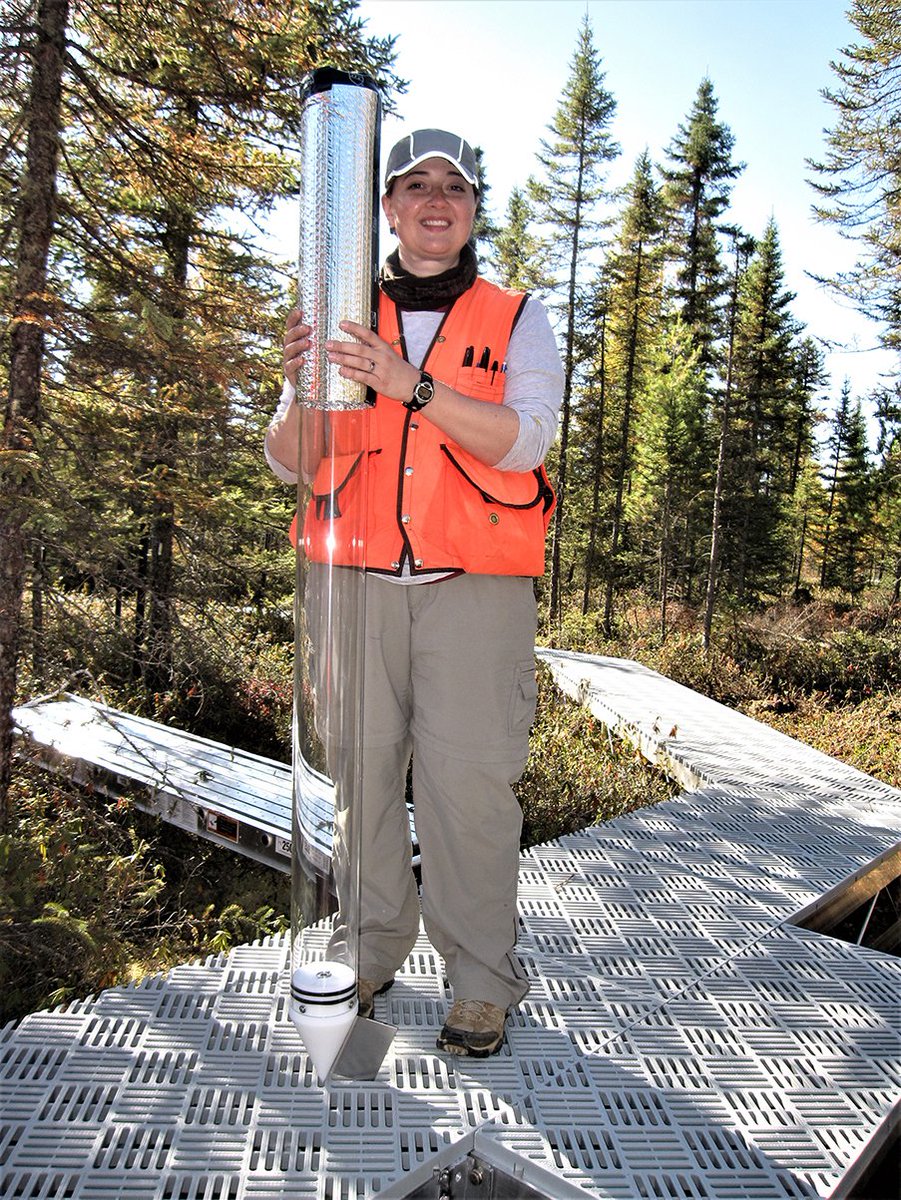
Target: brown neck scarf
{"points": [[424, 293]]}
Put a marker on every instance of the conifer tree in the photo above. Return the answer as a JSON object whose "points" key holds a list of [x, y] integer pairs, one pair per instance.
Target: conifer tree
{"points": [[742, 249], [850, 496], [698, 183], [593, 416], [765, 362], [805, 492], [634, 269], [805, 413], [859, 180], [670, 452], [484, 230], [807, 508], [566, 200], [838, 437], [518, 255]]}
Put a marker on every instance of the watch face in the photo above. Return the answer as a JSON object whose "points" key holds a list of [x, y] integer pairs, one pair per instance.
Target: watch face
{"points": [[424, 390]]}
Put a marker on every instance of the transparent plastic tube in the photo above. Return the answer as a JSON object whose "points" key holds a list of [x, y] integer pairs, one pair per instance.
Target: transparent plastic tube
{"points": [[336, 281]]}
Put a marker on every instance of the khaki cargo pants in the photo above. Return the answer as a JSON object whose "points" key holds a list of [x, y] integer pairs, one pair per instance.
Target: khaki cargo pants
{"points": [[450, 678]]}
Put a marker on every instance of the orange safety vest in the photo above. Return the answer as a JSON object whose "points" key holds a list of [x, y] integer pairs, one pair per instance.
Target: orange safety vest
{"points": [[429, 503]]}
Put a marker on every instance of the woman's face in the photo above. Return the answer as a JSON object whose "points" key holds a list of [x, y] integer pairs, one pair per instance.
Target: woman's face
{"points": [[431, 209]]}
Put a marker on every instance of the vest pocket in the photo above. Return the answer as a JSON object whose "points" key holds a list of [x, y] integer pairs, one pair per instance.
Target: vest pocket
{"points": [[332, 478], [496, 520], [334, 520], [507, 489], [481, 385]]}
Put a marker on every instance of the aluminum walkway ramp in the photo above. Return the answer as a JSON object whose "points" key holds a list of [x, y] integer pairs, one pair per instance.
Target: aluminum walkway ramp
{"points": [[223, 794], [682, 1037]]}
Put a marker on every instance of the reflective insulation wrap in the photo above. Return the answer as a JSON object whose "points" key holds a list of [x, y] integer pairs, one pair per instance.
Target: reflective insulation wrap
{"points": [[336, 281], [338, 218]]}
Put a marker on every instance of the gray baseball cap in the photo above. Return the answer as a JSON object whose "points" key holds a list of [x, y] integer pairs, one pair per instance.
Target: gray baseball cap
{"points": [[416, 147]]}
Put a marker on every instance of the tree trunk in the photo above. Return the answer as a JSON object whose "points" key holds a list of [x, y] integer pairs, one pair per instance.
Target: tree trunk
{"points": [[598, 475], [555, 597], [164, 464], [827, 528], [802, 545], [665, 551], [38, 556], [623, 465], [32, 310]]}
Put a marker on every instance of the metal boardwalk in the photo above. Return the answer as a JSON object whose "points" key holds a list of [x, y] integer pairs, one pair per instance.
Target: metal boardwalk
{"points": [[681, 1038]]}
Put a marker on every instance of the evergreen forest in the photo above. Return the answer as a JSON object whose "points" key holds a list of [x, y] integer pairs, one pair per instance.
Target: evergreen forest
{"points": [[727, 513]]}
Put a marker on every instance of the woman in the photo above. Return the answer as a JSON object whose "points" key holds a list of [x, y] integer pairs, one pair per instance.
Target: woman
{"points": [[468, 382]]}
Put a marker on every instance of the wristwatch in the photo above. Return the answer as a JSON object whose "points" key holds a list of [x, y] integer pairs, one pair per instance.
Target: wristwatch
{"points": [[422, 393]]}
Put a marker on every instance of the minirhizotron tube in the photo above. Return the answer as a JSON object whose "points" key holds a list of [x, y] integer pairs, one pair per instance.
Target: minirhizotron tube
{"points": [[336, 281]]}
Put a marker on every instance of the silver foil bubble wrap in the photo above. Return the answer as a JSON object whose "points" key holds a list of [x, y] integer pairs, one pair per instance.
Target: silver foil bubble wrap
{"points": [[338, 231]]}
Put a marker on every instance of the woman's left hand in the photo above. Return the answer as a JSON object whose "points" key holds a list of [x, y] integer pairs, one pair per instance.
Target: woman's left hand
{"points": [[371, 360]]}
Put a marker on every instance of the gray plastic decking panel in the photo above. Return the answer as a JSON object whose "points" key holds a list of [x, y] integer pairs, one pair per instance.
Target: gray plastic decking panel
{"points": [[680, 1039]]}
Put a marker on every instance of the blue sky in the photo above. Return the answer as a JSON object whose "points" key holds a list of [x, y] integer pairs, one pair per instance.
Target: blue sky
{"points": [[493, 70]]}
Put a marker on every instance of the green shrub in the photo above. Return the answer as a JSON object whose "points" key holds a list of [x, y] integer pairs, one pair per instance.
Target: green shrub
{"points": [[577, 774], [96, 894]]}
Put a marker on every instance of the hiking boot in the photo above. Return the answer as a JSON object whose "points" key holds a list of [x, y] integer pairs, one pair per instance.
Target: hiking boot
{"points": [[366, 990], [474, 1028]]}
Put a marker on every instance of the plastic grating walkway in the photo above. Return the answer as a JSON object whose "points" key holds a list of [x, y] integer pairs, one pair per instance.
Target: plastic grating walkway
{"points": [[680, 1038]]}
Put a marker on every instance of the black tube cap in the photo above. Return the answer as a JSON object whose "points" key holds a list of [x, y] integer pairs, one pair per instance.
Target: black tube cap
{"points": [[323, 79]]}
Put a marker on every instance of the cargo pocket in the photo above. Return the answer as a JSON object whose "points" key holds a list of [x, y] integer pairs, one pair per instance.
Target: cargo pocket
{"points": [[523, 700]]}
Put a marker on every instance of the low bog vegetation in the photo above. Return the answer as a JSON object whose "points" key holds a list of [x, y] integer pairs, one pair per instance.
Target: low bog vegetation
{"points": [[824, 672]]}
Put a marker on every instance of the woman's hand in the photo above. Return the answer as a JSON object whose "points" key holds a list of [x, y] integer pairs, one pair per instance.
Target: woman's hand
{"points": [[484, 428], [297, 344], [371, 360]]}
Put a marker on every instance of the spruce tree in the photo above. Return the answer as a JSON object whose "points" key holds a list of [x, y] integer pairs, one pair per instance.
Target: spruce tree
{"points": [[805, 492], [808, 506], [846, 565], [484, 230], [849, 489], [859, 180], [566, 199], [670, 455], [593, 416], [518, 255], [634, 268], [804, 410], [742, 249], [762, 450], [698, 184], [836, 443]]}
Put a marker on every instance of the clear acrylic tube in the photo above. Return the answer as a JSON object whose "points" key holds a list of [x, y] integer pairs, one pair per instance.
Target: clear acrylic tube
{"points": [[336, 281]]}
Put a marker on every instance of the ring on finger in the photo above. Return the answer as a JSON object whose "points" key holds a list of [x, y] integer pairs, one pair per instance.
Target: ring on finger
{"points": [[371, 364]]}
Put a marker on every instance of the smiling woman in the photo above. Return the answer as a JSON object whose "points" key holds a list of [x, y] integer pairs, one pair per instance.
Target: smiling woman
{"points": [[467, 383], [431, 210]]}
